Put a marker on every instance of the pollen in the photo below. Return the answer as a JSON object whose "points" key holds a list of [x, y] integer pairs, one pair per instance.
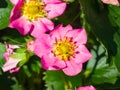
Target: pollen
{"points": [[64, 49], [33, 9]]}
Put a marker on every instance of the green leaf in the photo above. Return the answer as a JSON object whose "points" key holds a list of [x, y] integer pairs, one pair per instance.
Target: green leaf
{"points": [[27, 71], [95, 15], [70, 1], [98, 54], [2, 51], [54, 80], [114, 15], [105, 73], [74, 81], [22, 57], [9, 83], [98, 69], [57, 80], [35, 64], [5, 9]]}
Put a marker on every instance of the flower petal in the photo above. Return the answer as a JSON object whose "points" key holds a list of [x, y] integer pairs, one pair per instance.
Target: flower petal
{"points": [[30, 46], [14, 1], [72, 68], [41, 26], [59, 32], [14, 70], [47, 61], [8, 53], [10, 64], [83, 55], [52, 1], [47, 23], [22, 25], [79, 36], [50, 62], [42, 45], [59, 64], [86, 88], [16, 12], [113, 2], [55, 10]]}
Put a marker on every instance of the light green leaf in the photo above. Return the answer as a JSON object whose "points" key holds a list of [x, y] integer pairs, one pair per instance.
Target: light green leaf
{"points": [[2, 51], [98, 54], [100, 71], [106, 74], [5, 9], [20, 56], [54, 80]]}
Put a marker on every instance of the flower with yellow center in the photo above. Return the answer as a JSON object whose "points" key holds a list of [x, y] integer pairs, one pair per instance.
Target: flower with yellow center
{"points": [[34, 16], [33, 10], [63, 49]]}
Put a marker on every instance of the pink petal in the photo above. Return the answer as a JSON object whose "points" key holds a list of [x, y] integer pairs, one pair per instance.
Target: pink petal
{"points": [[10, 64], [47, 23], [16, 12], [22, 25], [51, 1], [55, 33], [38, 29], [83, 55], [79, 36], [47, 61], [7, 54], [42, 45], [50, 62], [55, 10], [13, 46], [19, 22], [59, 32], [30, 46], [41, 26], [14, 70], [72, 68], [14, 1], [113, 2], [59, 64], [86, 88]]}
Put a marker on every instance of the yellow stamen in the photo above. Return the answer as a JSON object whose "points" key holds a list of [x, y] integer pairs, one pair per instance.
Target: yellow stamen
{"points": [[64, 49], [33, 10]]}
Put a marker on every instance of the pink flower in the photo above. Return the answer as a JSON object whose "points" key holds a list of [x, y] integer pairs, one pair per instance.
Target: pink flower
{"points": [[14, 1], [112, 2], [63, 49], [34, 15], [30, 46], [86, 88], [11, 63]]}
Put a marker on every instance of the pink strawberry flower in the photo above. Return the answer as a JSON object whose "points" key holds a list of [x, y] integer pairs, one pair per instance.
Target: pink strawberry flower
{"points": [[34, 15], [63, 49], [11, 63], [86, 88], [30, 46], [112, 2]]}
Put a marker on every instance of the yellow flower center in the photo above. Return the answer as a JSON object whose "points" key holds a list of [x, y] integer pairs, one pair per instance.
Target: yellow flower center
{"points": [[64, 49], [33, 10]]}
